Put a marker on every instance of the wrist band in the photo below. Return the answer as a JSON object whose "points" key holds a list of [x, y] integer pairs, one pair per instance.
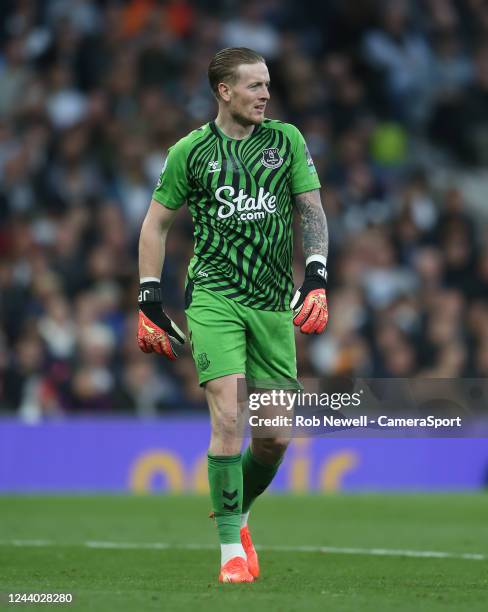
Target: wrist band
{"points": [[320, 258]]}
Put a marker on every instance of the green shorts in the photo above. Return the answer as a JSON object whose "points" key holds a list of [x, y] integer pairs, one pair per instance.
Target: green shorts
{"points": [[229, 338]]}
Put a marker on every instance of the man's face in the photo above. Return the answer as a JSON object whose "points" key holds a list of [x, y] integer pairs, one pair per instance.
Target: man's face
{"points": [[247, 97]]}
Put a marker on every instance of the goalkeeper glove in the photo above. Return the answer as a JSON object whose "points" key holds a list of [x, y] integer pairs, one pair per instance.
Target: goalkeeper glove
{"points": [[156, 331], [309, 304]]}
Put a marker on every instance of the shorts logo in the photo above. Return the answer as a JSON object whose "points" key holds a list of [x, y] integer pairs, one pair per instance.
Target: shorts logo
{"points": [[271, 158], [202, 362]]}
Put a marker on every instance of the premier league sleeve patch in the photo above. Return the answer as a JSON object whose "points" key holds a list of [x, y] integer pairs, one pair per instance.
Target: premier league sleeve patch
{"points": [[310, 164], [160, 179], [271, 158]]}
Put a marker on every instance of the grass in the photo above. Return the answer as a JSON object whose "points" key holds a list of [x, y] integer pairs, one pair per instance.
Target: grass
{"points": [[178, 578]]}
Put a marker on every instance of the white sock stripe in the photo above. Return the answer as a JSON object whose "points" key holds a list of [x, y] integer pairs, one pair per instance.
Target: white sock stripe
{"points": [[229, 551], [244, 519], [149, 279]]}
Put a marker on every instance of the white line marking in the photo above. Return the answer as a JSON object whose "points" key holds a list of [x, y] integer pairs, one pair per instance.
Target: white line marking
{"points": [[128, 545], [41, 543], [376, 552]]}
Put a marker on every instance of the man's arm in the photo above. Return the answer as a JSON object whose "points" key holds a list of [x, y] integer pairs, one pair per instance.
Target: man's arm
{"points": [[156, 331], [310, 302], [315, 234], [152, 242]]}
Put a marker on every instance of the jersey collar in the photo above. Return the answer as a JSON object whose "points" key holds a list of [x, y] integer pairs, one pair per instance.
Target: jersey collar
{"points": [[223, 136]]}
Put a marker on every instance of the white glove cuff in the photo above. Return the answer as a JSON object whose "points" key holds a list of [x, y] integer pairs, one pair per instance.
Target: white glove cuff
{"points": [[320, 258]]}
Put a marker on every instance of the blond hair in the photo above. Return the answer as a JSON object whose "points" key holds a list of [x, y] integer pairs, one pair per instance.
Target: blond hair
{"points": [[224, 64]]}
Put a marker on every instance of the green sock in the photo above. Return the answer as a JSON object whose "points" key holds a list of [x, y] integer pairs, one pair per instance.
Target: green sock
{"points": [[225, 479], [256, 477]]}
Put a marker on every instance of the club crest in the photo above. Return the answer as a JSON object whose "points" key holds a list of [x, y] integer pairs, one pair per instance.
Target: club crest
{"points": [[271, 158]]}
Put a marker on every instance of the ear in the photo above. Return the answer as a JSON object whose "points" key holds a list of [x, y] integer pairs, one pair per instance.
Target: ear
{"points": [[224, 91]]}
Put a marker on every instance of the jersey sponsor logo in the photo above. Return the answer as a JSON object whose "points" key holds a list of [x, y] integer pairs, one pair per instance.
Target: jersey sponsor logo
{"points": [[271, 158], [246, 207], [213, 166]]}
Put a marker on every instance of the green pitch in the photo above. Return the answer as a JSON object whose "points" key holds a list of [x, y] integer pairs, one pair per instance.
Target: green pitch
{"points": [[135, 553]]}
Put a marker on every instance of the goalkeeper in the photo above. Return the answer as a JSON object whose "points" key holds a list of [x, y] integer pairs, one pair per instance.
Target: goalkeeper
{"points": [[241, 176]]}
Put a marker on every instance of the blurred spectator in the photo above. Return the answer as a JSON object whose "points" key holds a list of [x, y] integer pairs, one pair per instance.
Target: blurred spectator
{"points": [[251, 29], [460, 120], [15, 74], [402, 53], [57, 330]]}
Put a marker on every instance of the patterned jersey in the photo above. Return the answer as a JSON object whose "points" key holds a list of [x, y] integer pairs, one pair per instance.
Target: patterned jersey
{"points": [[240, 195]]}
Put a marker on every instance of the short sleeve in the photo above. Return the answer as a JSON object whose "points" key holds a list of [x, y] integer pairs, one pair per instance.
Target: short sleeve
{"points": [[172, 188], [303, 173]]}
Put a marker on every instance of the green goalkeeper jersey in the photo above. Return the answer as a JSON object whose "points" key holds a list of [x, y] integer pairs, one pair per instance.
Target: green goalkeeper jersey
{"points": [[240, 195]]}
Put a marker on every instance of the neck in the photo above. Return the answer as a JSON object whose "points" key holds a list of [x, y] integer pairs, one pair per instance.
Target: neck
{"points": [[231, 128]]}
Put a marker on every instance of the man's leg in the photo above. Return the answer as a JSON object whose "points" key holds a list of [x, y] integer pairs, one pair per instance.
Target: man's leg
{"points": [[264, 455], [271, 360], [218, 343], [260, 462], [225, 474]]}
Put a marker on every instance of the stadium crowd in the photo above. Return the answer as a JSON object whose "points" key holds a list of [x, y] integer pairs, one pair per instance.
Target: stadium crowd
{"points": [[392, 98]]}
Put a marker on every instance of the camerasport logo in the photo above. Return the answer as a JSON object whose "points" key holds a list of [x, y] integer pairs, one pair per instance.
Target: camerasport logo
{"points": [[246, 208]]}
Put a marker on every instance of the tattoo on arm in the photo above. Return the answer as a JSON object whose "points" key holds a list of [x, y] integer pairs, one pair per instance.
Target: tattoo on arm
{"points": [[315, 234]]}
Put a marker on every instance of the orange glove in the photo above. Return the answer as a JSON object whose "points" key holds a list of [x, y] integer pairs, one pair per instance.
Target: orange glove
{"points": [[156, 332], [309, 304]]}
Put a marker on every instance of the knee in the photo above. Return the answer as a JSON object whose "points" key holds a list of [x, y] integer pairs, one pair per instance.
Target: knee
{"points": [[224, 411], [225, 422]]}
